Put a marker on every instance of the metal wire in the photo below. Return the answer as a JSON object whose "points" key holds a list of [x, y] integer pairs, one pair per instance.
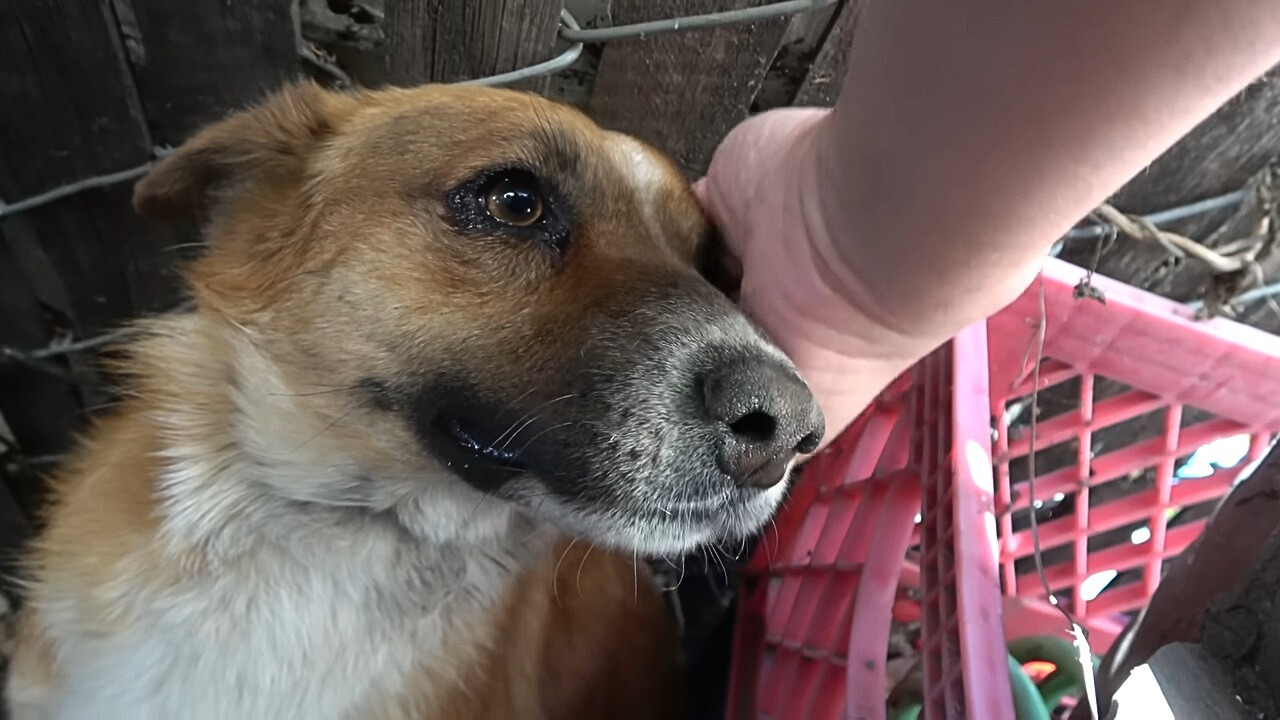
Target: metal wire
{"points": [[572, 32], [555, 64], [1258, 293], [569, 30], [79, 186], [1164, 217], [694, 22]]}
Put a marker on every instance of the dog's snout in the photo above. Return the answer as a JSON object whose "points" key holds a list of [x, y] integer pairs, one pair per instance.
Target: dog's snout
{"points": [[764, 416]]}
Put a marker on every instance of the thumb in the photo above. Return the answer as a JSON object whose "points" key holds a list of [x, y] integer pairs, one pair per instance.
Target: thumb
{"points": [[702, 191]]}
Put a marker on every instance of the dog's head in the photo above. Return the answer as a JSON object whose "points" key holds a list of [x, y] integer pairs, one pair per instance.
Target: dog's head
{"points": [[498, 293]]}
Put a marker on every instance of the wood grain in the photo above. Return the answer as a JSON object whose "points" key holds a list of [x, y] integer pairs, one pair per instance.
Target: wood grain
{"points": [[1180, 681], [204, 58], [71, 112], [1218, 156], [821, 85], [683, 91], [453, 40]]}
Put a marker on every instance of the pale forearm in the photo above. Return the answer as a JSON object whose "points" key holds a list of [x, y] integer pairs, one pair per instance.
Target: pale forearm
{"points": [[971, 133]]}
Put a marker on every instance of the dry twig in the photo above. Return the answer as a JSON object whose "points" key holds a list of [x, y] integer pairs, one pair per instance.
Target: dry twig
{"points": [[1140, 228]]}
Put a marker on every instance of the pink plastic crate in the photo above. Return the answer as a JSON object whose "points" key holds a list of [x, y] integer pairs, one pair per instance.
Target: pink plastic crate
{"points": [[944, 444]]}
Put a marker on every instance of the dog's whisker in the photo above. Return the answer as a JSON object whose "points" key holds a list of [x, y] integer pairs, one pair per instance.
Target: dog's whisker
{"points": [[515, 402], [539, 434], [555, 574], [773, 525], [585, 555], [330, 391], [530, 421], [531, 415], [332, 424], [724, 571], [513, 426], [483, 496]]}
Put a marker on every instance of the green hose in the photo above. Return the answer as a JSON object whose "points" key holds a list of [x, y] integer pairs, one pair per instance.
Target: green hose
{"points": [[1027, 702], [1067, 677], [907, 711]]}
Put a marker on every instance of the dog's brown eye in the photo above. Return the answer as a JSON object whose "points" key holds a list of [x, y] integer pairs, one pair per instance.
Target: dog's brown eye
{"points": [[514, 203]]}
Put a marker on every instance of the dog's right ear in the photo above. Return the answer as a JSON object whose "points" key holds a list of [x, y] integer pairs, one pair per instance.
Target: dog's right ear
{"points": [[257, 144]]}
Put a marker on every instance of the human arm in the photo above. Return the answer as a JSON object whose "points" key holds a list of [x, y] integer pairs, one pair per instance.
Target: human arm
{"points": [[968, 136]]}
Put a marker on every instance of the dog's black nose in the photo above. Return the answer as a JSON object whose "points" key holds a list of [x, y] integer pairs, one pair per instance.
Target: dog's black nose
{"points": [[764, 415]]}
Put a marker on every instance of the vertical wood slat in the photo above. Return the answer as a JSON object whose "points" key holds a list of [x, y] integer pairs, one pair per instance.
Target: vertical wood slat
{"points": [[453, 40], [683, 91], [821, 85], [200, 59], [87, 262], [71, 112]]}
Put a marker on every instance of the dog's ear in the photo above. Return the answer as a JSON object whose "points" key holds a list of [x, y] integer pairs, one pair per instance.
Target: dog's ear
{"points": [[256, 144]]}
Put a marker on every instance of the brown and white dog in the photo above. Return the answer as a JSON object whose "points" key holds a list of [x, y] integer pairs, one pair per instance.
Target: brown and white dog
{"points": [[446, 340]]}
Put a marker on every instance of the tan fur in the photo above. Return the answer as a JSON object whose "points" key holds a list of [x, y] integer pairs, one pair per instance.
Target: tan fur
{"points": [[240, 411]]}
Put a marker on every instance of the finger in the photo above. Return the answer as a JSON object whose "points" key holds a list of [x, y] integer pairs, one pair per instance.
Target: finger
{"points": [[702, 191]]}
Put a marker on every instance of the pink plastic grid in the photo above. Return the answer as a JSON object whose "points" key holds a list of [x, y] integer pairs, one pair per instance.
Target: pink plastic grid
{"points": [[811, 634], [927, 444], [1137, 364]]}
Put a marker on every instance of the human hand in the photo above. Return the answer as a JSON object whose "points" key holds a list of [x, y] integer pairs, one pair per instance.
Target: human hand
{"points": [[762, 191]]}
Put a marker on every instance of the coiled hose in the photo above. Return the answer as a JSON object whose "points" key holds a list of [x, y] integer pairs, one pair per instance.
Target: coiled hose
{"points": [[1031, 701]]}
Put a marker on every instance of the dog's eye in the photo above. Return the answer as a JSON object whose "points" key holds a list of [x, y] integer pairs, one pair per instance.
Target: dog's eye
{"points": [[511, 204], [514, 201]]}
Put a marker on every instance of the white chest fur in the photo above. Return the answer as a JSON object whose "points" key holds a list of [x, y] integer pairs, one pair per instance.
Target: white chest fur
{"points": [[302, 630]]}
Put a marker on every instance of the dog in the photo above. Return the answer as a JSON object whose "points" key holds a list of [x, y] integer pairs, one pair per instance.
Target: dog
{"points": [[455, 366]]}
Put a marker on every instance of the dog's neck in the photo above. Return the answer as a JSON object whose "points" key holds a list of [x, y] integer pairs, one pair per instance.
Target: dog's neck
{"points": [[248, 460]]}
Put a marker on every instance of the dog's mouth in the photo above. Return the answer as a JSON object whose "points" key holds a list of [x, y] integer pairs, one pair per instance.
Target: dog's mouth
{"points": [[622, 486], [519, 460], [471, 439], [485, 457]]}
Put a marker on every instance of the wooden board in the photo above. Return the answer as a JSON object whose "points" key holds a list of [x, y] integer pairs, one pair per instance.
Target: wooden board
{"points": [[62, 64], [1213, 566], [683, 91], [1242, 628], [821, 85], [1218, 156], [1181, 681], [202, 58], [452, 40]]}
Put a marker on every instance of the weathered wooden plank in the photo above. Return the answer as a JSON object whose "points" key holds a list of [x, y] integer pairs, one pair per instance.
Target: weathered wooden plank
{"points": [[15, 531], [38, 407], [67, 112], [683, 91], [1242, 629], [1214, 566], [1218, 156], [1180, 681], [62, 63], [821, 85], [452, 40], [203, 58]]}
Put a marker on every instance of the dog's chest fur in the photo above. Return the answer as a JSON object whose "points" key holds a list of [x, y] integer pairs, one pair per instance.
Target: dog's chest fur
{"points": [[288, 634], [327, 616]]}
